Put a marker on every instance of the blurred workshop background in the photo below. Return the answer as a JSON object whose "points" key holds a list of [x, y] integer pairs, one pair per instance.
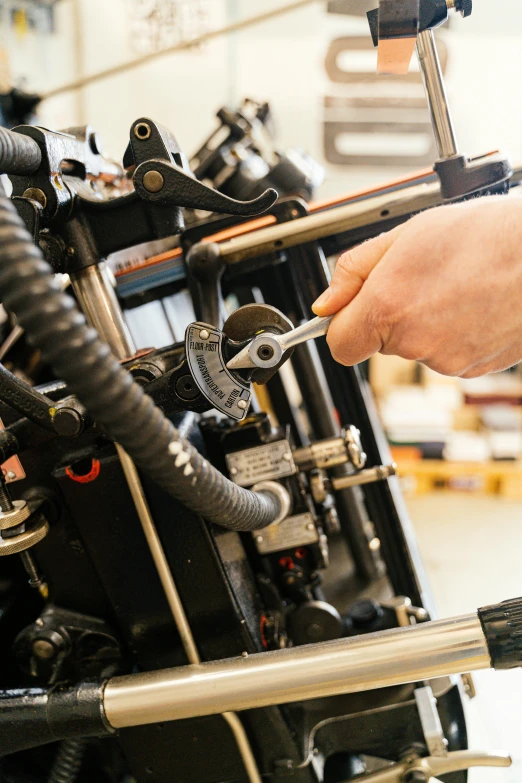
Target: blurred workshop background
{"points": [[458, 443]]}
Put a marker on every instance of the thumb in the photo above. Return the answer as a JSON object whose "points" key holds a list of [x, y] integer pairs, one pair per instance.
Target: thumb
{"points": [[351, 272]]}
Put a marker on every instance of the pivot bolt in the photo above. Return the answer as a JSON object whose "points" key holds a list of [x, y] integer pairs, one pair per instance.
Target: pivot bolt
{"points": [[153, 181], [265, 352], [36, 194], [44, 649], [186, 388]]}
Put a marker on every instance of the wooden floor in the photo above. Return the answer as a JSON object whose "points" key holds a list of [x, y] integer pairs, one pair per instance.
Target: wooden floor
{"points": [[472, 550]]}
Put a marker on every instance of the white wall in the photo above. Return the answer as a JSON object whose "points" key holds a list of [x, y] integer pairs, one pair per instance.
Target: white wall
{"points": [[282, 60]]}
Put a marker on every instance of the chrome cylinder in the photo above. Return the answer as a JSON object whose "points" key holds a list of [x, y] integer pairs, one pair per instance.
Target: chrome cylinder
{"points": [[396, 657], [433, 79], [329, 222], [97, 298]]}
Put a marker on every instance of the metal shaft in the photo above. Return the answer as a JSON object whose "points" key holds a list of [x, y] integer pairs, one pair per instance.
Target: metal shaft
{"points": [[433, 79], [396, 657], [325, 224], [97, 298]]}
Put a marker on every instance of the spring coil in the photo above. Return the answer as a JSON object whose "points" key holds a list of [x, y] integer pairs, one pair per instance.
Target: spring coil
{"points": [[68, 761]]}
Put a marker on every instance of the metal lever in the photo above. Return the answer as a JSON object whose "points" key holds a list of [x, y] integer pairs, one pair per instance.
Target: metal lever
{"points": [[266, 350], [163, 182], [430, 767]]}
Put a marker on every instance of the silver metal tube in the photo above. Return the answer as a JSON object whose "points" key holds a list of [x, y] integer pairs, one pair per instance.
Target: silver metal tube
{"points": [[98, 300], [403, 655], [329, 222], [433, 79]]}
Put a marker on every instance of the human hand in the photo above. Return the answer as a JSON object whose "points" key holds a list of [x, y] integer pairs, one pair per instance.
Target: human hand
{"points": [[444, 289]]}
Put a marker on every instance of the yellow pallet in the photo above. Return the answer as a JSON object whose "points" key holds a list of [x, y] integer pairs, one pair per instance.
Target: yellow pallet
{"points": [[495, 478]]}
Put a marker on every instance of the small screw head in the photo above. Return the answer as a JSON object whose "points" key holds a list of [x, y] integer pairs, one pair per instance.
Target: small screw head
{"points": [[204, 334], [233, 471], [243, 404], [44, 649], [259, 539], [153, 181], [244, 654], [265, 352], [186, 388], [36, 194]]}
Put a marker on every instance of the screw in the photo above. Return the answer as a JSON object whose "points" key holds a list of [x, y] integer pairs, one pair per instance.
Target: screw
{"points": [[6, 504], [11, 475], [204, 334], [244, 654], [243, 404], [287, 456], [259, 539], [233, 471], [36, 580], [186, 388], [153, 181], [44, 649], [265, 352], [310, 526], [142, 130], [36, 194]]}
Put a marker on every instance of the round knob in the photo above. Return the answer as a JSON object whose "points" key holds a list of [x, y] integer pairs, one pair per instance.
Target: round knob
{"points": [[464, 6]]}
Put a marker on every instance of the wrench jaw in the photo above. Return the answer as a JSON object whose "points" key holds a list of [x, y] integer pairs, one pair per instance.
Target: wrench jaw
{"points": [[251, 347]]}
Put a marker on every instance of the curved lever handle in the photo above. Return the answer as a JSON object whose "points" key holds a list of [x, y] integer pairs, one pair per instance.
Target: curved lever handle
{"points": [[164, 183], [429, 767]]}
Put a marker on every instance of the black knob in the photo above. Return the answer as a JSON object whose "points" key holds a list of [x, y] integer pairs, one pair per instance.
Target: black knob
{"points": [[502, 626], [465, 7]]}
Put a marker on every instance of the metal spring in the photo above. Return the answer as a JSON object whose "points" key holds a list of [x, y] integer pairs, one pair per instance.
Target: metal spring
{"points": [[68, 761]]}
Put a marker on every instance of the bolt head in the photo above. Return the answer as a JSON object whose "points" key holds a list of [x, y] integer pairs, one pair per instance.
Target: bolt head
{"points": [[44, 649], [243, 404], [36, 194], [153, 181], [204, 334], [265, 352], [186, 388]]}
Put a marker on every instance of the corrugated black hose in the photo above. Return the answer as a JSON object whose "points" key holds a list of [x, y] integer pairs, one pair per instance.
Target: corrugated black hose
{"points": [[54, 324], [19, 154]]}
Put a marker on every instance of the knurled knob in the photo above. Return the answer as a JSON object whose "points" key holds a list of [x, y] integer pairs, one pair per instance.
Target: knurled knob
{"points": [[502, 626]]}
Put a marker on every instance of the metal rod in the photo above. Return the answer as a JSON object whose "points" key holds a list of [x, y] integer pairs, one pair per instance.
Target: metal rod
{"points": [[433, 79], [101, 308], [396, 657], [368, 476], [335, 221], [97, 298], [190, 43]]}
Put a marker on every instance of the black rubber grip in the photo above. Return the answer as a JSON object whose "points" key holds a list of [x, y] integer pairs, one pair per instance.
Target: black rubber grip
{"points": [[502, 625], [31, 717], [19, 154]]}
